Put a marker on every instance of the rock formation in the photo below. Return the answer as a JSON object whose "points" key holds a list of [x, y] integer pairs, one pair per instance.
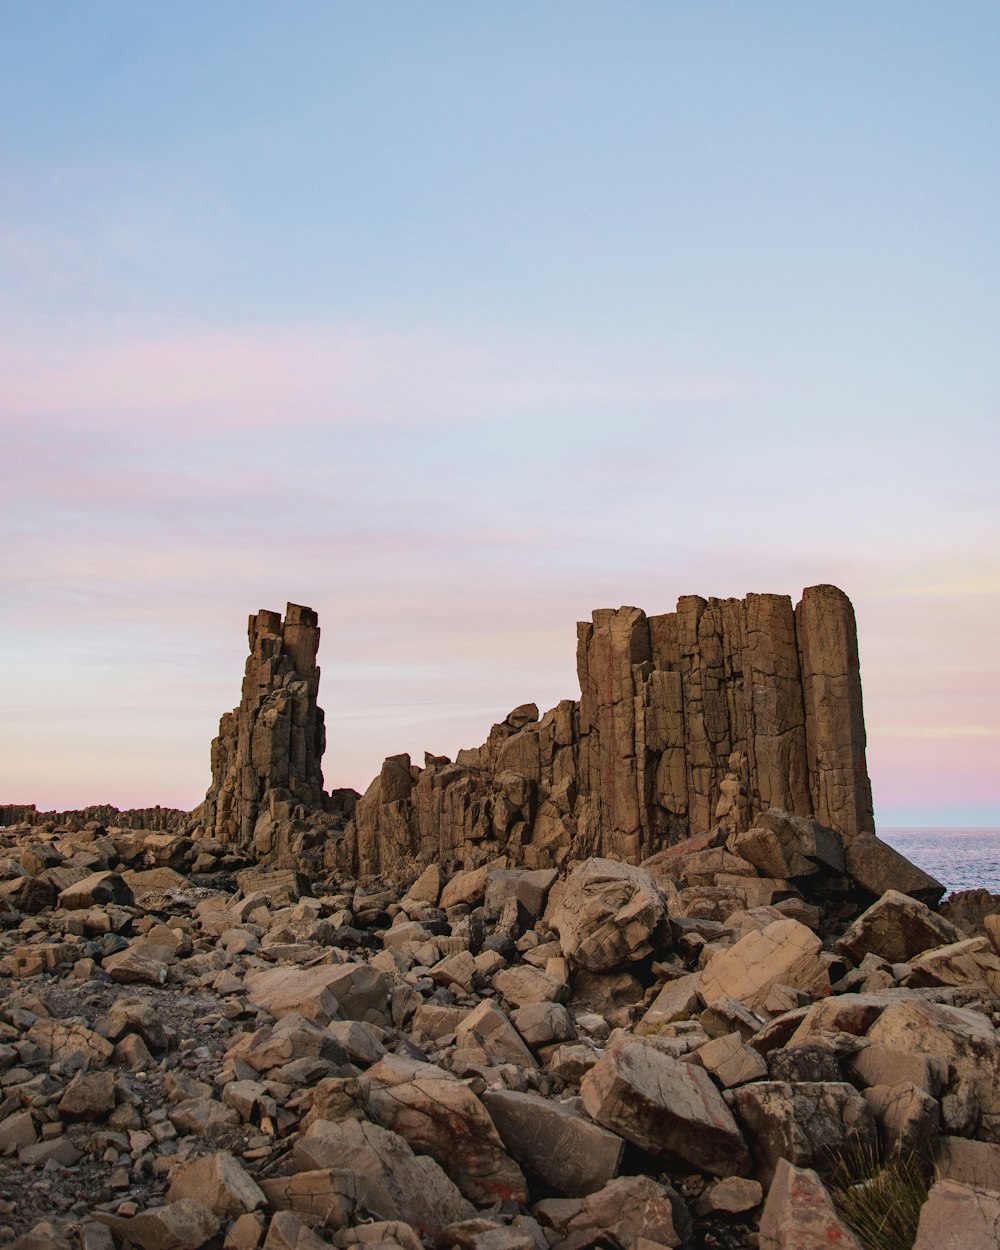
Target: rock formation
{"points": [[704, 716], [267, 780], [197, 1056]]}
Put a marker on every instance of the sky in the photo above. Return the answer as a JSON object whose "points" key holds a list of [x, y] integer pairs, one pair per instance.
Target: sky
{"points": [[456, 322]]}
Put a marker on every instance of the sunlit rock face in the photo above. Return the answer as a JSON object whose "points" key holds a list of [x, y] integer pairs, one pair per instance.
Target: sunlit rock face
{"points": [[702, 717], [269, 749]]}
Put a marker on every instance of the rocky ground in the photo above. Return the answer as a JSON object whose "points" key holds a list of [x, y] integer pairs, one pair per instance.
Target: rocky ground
{"points": [[697, 1052]]}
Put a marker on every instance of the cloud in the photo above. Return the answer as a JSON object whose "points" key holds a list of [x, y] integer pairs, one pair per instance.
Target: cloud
{"points": [[207, 380]]}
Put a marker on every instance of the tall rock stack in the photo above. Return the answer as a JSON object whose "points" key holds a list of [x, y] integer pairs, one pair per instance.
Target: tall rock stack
{"points": [[269, 750], [703, 716]]}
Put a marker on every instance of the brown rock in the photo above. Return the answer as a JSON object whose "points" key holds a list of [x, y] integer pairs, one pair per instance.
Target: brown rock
{"points": [[958, 1217], [878, 867], [664, 1106], [183, 1225], [562, 1147], [808, 1123], [440, 1116], [636, 1211], [783, 953], [100, 889], [607, 913], [287, 1232], [897, 927], [799, 1215], [89, 1096], [219, 1182], [402, 1185]]}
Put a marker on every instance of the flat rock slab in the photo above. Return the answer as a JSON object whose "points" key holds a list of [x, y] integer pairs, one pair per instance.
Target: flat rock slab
{"points": [[664, 1106]]}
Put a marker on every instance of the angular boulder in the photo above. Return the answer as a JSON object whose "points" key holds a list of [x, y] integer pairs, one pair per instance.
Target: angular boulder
{"points": [[807, 1123], [878, 867], [664, 1106], [562, 1147], [799, 1215], [402, 1185], [606, 914], [441, 1117], [783, 953], [897, 927], [967, 1041], [959, 1217]]}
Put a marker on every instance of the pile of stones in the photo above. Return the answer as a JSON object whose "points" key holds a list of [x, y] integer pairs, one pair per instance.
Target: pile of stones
{"points": [[199, 1052]]}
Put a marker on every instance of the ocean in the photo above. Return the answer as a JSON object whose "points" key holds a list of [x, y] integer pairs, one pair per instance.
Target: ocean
{"points": [[961, 859]]}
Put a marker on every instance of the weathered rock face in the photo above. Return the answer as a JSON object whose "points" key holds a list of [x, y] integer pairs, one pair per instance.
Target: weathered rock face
{"points": [[707, 715], [266, 761], [274, 740]]}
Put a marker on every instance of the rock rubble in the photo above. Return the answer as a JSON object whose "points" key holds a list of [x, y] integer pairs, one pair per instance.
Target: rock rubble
{"points": [[197, 1052]]}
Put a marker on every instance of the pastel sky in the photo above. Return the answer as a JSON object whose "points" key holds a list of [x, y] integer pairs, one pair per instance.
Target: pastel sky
{"points": [[457, 321]]}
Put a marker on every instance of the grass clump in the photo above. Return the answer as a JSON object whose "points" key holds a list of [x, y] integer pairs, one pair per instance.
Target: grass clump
{"points": [[880, 1198]]}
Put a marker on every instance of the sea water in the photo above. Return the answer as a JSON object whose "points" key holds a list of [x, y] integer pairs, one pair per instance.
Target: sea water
{"points": [[961, 859]]}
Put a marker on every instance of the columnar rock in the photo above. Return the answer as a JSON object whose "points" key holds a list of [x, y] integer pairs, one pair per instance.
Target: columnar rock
{"points": [[708, 715], [269, 749]]}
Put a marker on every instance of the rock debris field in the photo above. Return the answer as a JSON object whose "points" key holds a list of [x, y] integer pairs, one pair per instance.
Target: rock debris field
{"points": [[197, 1051]]}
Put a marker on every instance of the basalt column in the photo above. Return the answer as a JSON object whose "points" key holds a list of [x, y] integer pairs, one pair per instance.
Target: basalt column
{"points": [[271, 746], [835, 724]]}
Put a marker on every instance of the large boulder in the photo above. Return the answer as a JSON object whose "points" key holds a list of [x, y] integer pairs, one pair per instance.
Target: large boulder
{"points": [[967, 1041], [785, 952], [440, 1116], [897, 927], [664, 1106], [634, 1212], [560, 1146], [809, 1123], [607, 913], [959, 1217], [401, 1185], [878, 867], [780, 844]]}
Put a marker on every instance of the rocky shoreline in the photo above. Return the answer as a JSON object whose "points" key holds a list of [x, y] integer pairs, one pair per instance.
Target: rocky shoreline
{"points": [[195, 1051], [636, 973]]}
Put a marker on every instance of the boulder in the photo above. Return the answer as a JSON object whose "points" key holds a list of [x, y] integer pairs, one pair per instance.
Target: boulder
{"points": [[404, 1186], [878, 867], [967, 1041], [780, 844], [441, 1117], [561, 1147], [974, 1163], [181, 1225], [809, 1123], [664, 1106], [219, 1182], [99, 889], [281, 991], [959, 1217], [635, 1212], [799, 1214], [607, 914], [488, 1029], [783, 953], [897, 927]]}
